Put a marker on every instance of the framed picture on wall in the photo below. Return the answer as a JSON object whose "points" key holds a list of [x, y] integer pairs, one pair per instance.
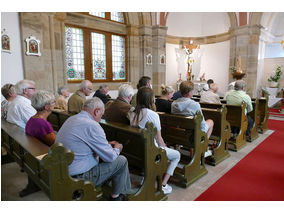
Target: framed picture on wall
{"points": [[149, 59], [5, 41], [33, 46], [163, 59]]}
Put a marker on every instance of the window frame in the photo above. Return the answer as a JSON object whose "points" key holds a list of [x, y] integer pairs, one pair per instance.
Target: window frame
{"points": [[88, 55], [107, 17]]}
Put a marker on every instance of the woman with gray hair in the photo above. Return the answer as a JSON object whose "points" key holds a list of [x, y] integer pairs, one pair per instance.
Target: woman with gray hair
{"points": [[38, 126], [61, 100], [9, 93]]}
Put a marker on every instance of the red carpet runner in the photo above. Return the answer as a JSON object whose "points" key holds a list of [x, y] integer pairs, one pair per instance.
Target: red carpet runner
{"points": [[257, 177]]}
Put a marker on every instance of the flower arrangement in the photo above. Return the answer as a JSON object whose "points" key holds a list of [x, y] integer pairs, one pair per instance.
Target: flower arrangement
{"points": [[276, 77], [237, 73]]}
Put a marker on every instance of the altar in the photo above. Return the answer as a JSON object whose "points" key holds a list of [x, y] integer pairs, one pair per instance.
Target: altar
{"points": [[273, 100], [198, 86]]}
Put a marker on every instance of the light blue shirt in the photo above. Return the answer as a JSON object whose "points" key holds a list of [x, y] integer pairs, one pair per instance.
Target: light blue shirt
{"points": [[186, 106], [86, 138]]}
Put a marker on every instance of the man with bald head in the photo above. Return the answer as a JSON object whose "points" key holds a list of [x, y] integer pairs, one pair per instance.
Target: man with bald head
{"points": [[76, 101], [210, 95], [237, 97]]}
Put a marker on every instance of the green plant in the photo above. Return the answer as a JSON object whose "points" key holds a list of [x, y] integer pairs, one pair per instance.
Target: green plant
{"points": [[277, 74]]}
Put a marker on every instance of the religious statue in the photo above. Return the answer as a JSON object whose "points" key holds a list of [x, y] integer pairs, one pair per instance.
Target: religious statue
{"points": [[237, 71], [188, 48]]}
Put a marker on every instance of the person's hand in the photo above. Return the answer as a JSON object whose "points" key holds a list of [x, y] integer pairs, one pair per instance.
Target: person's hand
{"points": [[115, 144]]}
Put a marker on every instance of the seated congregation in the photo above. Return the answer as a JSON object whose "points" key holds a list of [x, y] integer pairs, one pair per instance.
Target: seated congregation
{"points": [[159, 141]]}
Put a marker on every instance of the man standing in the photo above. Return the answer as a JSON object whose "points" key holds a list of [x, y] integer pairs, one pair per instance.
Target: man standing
{"points": [[76, 101], [237, 97], [20, 110], [83, 135], [118, 109]]}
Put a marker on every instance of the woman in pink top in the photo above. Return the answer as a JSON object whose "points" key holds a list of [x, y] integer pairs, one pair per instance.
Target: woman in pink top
{"points": [[38, 126]]}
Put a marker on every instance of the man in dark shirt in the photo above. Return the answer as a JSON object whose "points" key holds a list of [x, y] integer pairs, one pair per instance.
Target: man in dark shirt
{"points": [[102, 93]]}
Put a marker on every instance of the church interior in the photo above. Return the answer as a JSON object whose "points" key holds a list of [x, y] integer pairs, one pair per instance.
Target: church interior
{"points": [[64, 48]]}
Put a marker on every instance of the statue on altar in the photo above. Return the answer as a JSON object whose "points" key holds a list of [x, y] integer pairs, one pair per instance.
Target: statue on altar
{"points": [[188, 48]]}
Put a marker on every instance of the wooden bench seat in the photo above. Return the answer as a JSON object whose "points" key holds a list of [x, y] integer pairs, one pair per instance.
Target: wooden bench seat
{"points": [[186, 131], [140, 151], [236, 117], [221, 134], [263, 114], [47, 167]]}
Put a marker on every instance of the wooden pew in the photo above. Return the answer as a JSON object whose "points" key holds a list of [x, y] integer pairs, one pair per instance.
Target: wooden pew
{"points": [[47, 167], [236, 117], [254, 116], [263, 114], [221, 133], [186, 131], [140, 151]]}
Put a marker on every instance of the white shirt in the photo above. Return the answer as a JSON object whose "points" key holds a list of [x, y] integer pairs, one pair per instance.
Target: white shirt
{"points": [[20, 110], [146, 115]]}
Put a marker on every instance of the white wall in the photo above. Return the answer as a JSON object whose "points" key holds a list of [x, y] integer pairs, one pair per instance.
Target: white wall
{"points": [[213, 61], [197, 24], [11, 63]]}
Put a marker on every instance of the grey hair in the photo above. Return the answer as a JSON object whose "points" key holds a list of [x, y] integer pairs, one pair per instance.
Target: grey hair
{"points": [[94, 103], [125, 90], [103, 86], [6, 89], [62, 89], [41, 98], [23, 84], [240, 84], [84, 84]]}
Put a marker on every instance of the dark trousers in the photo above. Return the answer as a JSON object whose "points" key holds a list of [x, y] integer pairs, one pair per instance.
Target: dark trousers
{"points": [[236, 130]]}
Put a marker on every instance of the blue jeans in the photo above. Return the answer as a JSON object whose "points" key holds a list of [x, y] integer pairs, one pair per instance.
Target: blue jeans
{"points": [[117, 171], [236, 130]]}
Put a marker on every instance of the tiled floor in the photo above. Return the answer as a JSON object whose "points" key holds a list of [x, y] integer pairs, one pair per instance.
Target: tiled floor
{"points": [[12, 180]]}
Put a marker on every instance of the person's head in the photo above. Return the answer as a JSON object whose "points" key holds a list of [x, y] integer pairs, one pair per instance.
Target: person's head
{"points": [[25, 88], [214, 87], [95, 107], [63, 91], [167, 91], [43, 101], [240, 85], [126, 91], [187, 89], [209, 82], [86, 87], [9, 92], [104, 88], [144, 81], [145, 98]]}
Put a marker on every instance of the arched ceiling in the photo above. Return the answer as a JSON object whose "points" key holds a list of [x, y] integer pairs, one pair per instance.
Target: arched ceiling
{"points": [[197, 24]]}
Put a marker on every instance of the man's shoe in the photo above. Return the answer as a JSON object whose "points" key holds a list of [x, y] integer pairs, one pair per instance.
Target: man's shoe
{"points": [[167, 189], [121, 197]]}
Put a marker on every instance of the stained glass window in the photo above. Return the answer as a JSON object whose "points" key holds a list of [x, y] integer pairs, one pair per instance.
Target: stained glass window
{"points": [[117, 16], [74, 47], [99, 14], [98, 56], [118, 58]]}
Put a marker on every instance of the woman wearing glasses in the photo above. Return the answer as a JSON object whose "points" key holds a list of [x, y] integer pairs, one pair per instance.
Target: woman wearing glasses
{"points": [[38, 126]]}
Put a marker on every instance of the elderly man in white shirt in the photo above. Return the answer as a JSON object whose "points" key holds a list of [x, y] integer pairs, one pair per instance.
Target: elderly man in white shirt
{"points": [[20, 110], [210, 96]]}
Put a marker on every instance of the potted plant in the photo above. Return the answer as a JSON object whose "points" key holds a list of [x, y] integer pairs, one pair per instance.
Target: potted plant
{"points": [[273, 79], [238, 74]]}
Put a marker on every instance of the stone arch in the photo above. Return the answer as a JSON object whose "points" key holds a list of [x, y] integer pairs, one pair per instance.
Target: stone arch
{"points": [[233, 19], [255, 18]]}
